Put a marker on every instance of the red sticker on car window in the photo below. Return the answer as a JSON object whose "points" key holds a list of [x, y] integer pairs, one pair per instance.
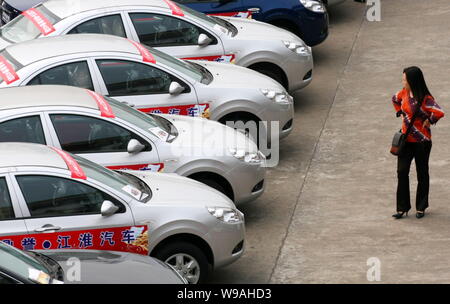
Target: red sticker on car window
{"points": [[103, 105], [176, 10], [146, 55], [39, 20], [74, 167], [7, 72]]}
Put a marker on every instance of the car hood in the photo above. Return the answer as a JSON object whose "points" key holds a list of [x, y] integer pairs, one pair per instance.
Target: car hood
{"points": [[233, 76], [212, 136], [110, 267], [175, 189], [249, 29]]}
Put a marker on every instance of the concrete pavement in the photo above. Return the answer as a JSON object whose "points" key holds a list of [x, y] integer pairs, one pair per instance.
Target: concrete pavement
{"points": [[328, 205]]}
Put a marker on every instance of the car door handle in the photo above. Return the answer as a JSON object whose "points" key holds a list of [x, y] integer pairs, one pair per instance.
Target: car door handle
{"points": [[47, 228]]}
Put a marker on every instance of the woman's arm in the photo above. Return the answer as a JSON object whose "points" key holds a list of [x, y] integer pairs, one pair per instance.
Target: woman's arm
{"points": [[397, 102], [433, 110]]}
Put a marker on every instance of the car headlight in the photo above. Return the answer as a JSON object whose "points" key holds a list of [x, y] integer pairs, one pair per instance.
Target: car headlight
{"points": [[279, 97], [299, 48], [227, 215], [313, 5], [248, 157]]}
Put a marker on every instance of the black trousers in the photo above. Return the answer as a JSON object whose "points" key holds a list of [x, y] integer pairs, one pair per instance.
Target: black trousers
{"points": [[421, 154]]}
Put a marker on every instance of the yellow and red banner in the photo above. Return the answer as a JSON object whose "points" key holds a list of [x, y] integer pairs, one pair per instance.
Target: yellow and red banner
{"points": [[132, 239]]}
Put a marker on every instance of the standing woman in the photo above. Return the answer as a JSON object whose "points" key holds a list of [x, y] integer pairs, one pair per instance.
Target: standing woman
{"points": [[415, 93]]}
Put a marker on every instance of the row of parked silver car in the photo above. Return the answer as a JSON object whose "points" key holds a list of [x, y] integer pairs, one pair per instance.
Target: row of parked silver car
{"points": [[98, 98]]}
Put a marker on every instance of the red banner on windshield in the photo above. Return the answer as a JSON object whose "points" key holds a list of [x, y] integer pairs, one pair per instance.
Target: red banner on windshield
{"points": [[7, 72], [39, 20], [103, 105], [146, 55], [74, 167], [176, 10]]}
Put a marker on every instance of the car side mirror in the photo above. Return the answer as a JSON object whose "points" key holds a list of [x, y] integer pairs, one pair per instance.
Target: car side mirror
{"points": [[204, 40], [108, 208], [176, 88], [134, 146]]}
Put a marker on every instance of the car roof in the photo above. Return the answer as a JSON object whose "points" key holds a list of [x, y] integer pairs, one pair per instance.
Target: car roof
{"points": [[38, 49], [26, 154], [66, 8], [45, 95]]}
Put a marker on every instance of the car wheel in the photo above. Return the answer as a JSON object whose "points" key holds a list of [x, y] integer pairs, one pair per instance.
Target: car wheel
{"points": [[187, 259], [212, 184], [245, 119], [272, 74]]}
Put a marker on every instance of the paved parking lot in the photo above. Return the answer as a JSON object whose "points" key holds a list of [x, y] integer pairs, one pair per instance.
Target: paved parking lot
{"points": [[328, 205]]}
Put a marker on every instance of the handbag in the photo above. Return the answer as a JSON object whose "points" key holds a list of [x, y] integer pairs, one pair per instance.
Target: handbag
{"points": [[399, 140]]}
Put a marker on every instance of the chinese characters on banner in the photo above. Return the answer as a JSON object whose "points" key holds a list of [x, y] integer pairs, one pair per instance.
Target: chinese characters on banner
{"points": [[194, 110], [132, 239]]}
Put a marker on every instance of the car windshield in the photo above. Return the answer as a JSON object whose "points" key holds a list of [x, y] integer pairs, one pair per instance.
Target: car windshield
{"points": [[22, 29], [180, 66], [23, 265], [212, 21], [131, 186], [15, 66], [141, 120]]}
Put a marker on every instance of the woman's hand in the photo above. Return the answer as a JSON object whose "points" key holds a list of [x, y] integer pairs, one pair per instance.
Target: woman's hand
{"points": [[426, 123]]}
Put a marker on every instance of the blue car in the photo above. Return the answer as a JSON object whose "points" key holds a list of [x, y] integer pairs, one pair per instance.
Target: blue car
{"points": [[308, 19]]}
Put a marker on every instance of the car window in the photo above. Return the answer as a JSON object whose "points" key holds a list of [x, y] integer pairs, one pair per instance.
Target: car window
{"points": [[124, 78], [48, 196], [6, 209], [83, 134], [131, 187], [19, 263], [136, 117], [22, 29], [6, 280], [74, 74], [110, 25], [25, 129], [160, 30]]}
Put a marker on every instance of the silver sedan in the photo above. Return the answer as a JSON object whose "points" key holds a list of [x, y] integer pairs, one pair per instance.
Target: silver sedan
{"points": [[151, 80], [51, 199], [176, 30], [114, 135]]}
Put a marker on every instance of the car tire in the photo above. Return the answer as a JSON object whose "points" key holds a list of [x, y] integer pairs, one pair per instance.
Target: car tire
{"points": [[272, 74], [244, 118], [213, 184], [186, 252]]}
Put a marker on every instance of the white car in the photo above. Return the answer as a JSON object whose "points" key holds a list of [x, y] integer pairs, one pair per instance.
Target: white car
{"points": [[50, 199], [116, 136], [150, 80], [174, 29]]}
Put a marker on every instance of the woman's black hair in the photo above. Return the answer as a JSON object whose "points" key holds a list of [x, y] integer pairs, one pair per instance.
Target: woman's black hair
{"points": [[417, 83]]}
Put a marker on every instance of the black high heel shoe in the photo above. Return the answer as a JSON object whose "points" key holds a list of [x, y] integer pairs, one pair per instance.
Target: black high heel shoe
{"points": [[420, 214], [399, 215]]}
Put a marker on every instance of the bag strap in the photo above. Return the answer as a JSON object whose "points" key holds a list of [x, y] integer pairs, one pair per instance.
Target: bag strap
{"points": [[413, 119]]}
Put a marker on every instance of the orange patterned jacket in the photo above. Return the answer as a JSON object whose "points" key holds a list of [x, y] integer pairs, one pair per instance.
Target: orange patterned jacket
{"points": [[430, 110]]}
